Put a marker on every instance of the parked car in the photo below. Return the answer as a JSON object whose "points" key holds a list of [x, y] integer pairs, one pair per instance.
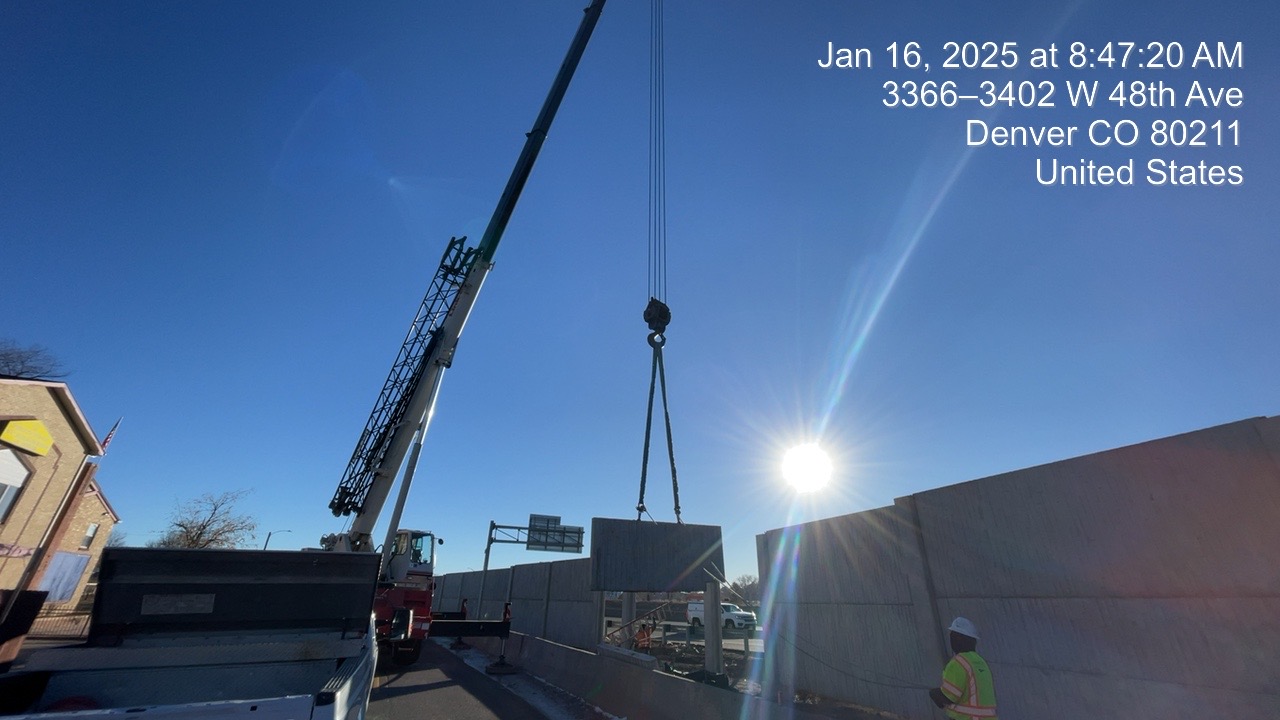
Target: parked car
{"points": [[731, 616]]}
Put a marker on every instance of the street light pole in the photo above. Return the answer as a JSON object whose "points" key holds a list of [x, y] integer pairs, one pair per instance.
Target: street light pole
{"points": [[269, 534]]}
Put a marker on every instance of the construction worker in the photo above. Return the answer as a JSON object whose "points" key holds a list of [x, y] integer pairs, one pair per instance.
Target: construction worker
{"points": [[643, 638], [967, 688]]}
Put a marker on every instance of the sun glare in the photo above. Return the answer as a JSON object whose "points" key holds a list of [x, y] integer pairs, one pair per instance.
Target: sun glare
{"points": [[806, 467]]}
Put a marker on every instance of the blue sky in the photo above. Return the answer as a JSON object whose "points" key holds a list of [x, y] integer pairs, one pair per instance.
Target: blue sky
{"points": [[222, 216]]}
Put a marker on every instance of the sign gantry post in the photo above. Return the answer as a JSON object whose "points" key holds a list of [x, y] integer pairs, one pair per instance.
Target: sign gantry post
{"points": [[544, 532]]}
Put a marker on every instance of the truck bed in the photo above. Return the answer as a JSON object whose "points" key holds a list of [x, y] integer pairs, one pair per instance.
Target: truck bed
{"points": [[192, 633]]}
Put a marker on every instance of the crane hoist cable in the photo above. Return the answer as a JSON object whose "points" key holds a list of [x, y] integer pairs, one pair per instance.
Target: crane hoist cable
{"points": [[657, 315]]}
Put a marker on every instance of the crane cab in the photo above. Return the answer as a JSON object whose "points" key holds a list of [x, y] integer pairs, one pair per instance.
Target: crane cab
{"points": [[413, 557]]}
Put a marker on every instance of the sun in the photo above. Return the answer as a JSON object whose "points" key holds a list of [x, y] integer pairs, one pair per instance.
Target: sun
{"points": [[806, 467]]}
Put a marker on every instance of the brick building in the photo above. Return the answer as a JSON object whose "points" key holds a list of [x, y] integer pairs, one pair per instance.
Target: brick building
{"points": [[48, 496], [70, 572]]}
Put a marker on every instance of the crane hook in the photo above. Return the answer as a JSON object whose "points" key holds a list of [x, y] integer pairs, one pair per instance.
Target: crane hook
{"points": [[657, 316]]}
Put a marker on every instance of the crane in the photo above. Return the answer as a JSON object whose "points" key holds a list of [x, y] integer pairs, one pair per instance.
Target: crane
{"points": [[405, 406]]}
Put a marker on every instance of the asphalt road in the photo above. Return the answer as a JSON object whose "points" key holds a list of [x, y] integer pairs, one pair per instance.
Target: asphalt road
{"points": [[440, 686]]}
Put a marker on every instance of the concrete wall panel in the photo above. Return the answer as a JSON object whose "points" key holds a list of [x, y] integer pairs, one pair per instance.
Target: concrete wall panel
{"points": [[448, 593], [1269, 432], [1211, 642], [553, 599], [529, 598], [1137, 582], [497, 585], [573, 623], [850, 650], [632, 555], [852, 558], [1073, 695], [571, 579], [471, 591], [1153, 519], [574, 612]]}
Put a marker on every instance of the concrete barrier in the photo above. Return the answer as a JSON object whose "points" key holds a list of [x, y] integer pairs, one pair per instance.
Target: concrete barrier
{"points": [[627, 690]]}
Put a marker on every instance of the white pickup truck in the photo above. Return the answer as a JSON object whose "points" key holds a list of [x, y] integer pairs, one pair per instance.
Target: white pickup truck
{"points": [[212, 634], [731, 616]]}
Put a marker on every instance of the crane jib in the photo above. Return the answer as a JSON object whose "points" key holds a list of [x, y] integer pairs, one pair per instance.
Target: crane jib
{"points": [[533, 141], [393, 401], [433, 335]]}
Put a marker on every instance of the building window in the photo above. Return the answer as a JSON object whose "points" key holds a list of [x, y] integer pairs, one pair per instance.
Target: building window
{"points": [[88, 535], [13, 475]]}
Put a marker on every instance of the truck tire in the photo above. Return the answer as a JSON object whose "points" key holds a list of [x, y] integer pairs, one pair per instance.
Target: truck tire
{"points": [[694, 622], [406, 653], [728, 624]]}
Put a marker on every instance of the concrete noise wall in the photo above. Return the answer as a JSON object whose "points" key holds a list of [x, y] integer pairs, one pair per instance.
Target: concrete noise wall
{"points": [[553, 600], [840, 612], [1137, 582]]}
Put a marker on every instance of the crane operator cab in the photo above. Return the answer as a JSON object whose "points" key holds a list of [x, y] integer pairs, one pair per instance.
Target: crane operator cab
{"points": [[413, 558]]}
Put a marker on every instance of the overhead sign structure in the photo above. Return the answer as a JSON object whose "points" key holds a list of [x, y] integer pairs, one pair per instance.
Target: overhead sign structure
{"points": [[543, 533], [546, 533]]}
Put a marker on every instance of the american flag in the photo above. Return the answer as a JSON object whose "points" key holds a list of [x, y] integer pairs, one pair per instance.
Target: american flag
{"points": [[107, 440]]}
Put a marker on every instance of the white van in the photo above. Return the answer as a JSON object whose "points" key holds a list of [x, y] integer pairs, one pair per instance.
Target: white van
{"points": [[731, 616]]}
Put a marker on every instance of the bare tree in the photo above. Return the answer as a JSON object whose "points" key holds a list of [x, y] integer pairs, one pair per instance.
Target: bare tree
{"points": [[747, 588], [117, 539], [209, 521], [28, 362]]}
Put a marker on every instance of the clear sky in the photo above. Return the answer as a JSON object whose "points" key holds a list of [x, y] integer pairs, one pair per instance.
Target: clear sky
{"points": [[221, 217]]}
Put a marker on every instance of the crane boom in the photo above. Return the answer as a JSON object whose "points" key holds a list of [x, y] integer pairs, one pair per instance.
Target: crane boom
{"points": [[407, 401]]}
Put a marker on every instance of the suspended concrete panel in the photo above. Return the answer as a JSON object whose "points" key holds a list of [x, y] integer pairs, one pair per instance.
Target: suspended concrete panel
{"points": [[640, 556]]}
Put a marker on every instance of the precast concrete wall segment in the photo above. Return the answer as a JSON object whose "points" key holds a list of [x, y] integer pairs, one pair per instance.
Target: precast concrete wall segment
{"points": [[1191, 515], [640, 556], [497, 585], [1269, 431], [470, 582], [838, 610], [1136, 582], [447, 594], [1023, 692], [573, 615], [1219, 652], [859, 651], [553, 598], [530, 588], [847, 559]]}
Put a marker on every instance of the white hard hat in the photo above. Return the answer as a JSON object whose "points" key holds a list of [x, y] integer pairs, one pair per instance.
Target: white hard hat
{"points": [[964, 626]]}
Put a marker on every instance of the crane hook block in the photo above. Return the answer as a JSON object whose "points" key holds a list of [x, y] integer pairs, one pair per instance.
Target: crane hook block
{"points": [[657, 315]]}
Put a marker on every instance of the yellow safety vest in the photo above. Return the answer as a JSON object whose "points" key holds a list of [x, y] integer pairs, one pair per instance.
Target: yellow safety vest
{"points": [[967, 682]]}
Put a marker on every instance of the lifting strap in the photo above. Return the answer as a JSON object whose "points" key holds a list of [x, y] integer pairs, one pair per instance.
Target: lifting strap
{"points": [[657, 315]]}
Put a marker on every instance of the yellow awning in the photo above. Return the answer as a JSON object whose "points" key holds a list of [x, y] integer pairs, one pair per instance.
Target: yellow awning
{"points": [[29, 435]]}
